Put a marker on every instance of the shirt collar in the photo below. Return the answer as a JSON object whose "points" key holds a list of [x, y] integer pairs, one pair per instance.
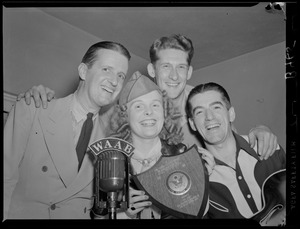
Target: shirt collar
{"points": [[241, 143], [78, 111]]}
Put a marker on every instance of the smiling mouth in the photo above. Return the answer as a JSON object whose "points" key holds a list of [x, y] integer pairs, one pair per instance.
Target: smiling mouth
{"points": [[173, 84], [213, 126], [109, 90], [149, 122]]}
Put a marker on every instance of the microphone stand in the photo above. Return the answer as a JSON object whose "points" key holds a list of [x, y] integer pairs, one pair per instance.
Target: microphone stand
{"points": [[112, 204]]}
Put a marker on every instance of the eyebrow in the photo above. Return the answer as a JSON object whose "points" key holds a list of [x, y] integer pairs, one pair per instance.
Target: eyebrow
{"points": [[185, 64], [211, 104], [140, 100]]}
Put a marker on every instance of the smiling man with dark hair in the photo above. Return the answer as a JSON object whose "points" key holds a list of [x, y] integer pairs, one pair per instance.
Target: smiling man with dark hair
{"points": [[237, 180]]}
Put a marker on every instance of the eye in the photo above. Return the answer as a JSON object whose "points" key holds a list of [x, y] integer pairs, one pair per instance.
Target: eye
{"points": [[217, 107], [156, 105], [106, 69], [183, 67], [198, 112], [122, 76], [138, 106], [165, 66]]}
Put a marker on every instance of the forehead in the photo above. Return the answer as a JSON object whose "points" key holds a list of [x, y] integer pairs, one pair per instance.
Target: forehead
{"points": [[166, 55], [113, 58], [149, 97], [206, 98]]}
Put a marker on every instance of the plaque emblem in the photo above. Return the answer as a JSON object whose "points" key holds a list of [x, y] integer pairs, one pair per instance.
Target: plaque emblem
{"points": [[178, 183]]}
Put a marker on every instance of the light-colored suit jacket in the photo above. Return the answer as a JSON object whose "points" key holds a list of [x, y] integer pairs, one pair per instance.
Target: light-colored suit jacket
{"points": [[41, 180]]}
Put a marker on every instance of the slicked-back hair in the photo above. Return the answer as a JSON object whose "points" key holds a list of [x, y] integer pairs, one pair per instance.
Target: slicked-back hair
{"points": [[201, 88], [91, 54], [175, 41]]}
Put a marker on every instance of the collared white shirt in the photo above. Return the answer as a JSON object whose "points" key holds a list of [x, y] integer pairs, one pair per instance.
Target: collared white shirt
{"points": [[79, 115]]}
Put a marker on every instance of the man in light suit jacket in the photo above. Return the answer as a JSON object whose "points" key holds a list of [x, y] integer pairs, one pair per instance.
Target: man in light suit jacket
{"points": [[41, 176]]}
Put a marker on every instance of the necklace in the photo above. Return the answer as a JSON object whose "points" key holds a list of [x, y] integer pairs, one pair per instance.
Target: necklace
{"points": [[154, 153], [146, 162]]}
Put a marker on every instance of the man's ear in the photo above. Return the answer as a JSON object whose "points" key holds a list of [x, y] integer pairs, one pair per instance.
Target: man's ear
{"points": [[151, 70], [231, 114], [190, 72], [192, 124], [82, 68]]}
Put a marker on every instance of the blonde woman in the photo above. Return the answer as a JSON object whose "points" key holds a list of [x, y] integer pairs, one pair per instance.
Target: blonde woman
{"points": [[146, 118]]}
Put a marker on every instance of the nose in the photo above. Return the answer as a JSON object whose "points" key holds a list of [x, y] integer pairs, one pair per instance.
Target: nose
{"points": [[208, 115], [113, 79], [173, 74], [148, 110]]}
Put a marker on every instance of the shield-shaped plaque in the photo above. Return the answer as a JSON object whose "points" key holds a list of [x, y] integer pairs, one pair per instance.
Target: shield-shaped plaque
{"points": [[177, 184]]}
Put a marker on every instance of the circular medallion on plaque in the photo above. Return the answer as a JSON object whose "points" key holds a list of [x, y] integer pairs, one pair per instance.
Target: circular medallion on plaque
{"points": [[178, 183]]}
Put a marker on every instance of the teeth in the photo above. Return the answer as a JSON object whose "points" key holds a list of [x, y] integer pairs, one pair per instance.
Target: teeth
{"points": [[150, 122], [107, 89], [172, 84], [212, 126]]}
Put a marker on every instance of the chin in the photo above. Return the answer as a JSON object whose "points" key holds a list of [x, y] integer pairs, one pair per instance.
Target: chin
{"points": [[151, 134], [104, 103], [215, 141], [173, 95]]}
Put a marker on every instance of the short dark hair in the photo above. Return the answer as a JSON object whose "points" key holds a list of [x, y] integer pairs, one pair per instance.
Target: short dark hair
{"points": [[211, 86], [91, 54], [176, 41]]}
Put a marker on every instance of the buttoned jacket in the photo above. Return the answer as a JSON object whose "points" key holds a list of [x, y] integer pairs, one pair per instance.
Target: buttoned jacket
{"points": [[41, 178]]}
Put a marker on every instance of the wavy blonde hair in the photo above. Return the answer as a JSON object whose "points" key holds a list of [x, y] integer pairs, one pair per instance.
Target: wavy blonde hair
{"points": [[171, 131]]}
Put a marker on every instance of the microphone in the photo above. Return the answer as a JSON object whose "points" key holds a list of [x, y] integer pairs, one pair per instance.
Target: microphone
{"points": [[111, 175], [111, 171]]}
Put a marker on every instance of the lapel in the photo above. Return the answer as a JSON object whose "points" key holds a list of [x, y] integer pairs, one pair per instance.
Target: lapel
{"points": [[86, 172], [83, 178], [58, 133]]}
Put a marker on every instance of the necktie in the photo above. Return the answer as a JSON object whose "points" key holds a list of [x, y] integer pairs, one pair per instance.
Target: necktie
{"points": [[84, 138]]}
